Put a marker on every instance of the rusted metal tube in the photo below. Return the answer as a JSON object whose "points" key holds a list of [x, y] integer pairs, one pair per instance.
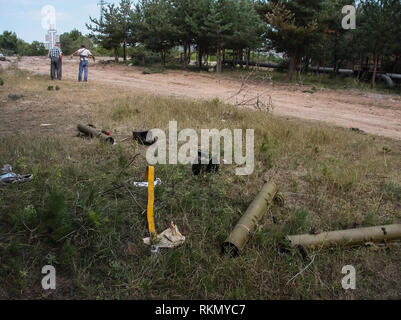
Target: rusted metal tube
{"points": [[350, 237], [95, 133], [236, 241]]}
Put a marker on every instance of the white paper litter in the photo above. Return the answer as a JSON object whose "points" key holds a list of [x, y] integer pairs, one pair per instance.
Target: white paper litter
{"points": [[145, 184], [169, 238]]}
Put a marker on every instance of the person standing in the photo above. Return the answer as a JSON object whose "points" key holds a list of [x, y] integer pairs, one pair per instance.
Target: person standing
{"points": [[83, 54], [56, 59]]}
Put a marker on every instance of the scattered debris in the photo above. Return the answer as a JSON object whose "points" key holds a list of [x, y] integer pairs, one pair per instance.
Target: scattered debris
{"points": [[144, 137], [303, 252], [205, 165], [169, 238], [240, 235], [146, 184], [92, 132], [46, 125], [8, 177], [351, 237], [6, 169], [302, 271], [357, 130]]}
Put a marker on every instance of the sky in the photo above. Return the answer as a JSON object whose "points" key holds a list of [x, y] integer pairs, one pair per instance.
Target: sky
{"points": [[25, 17]]}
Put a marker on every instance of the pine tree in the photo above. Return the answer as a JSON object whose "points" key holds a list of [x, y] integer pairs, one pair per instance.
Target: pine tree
{"points": [[293, 27], [156, 29], [112, 31]]}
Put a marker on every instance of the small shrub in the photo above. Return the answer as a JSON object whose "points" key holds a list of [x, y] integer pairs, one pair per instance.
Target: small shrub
{"points": [[14, 97]]}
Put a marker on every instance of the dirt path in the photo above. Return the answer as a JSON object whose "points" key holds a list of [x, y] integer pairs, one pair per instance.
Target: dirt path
{"points": [[373, 113]]}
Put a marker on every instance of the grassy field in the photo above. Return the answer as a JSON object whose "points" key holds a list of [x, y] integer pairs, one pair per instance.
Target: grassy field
{"points": [[330, 177]]}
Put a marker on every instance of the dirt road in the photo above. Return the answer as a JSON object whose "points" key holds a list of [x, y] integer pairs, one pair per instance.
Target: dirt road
{"points": [[371, 112]]}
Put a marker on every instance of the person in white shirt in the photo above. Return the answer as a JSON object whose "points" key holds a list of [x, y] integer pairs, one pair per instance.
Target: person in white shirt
{"points": [[83, 54]]}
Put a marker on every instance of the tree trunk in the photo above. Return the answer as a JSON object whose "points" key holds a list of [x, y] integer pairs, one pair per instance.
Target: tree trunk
{"points": [[293, 66], [116, 55], [235, 58], [163, 57], [185, 55], [376, 57], [199, 58], [335, 56], [241, 57], [218, 58], [125, 51], [248, 57]]}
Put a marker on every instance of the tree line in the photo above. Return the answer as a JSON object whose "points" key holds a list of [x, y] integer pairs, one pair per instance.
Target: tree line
{"points": [[10, 44], [306, 31]]}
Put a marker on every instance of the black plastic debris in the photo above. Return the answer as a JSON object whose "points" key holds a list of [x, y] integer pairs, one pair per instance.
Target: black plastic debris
{"points": [[199, 168], [144, 137], [357, 130]]}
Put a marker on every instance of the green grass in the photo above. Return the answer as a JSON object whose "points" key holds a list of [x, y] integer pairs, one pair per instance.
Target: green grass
{"points": [[331, 178]]}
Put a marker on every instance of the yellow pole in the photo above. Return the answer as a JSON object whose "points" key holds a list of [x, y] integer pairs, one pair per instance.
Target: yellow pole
{"points": [[150, 177]]}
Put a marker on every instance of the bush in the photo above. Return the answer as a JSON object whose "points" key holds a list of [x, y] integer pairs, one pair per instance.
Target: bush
{"points": [[14, 97], [283, 65], [141, 56]]}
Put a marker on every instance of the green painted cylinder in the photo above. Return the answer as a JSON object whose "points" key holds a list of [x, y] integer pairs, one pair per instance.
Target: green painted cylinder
{"points": [[95, 133], [351, 237], [238, 238]]}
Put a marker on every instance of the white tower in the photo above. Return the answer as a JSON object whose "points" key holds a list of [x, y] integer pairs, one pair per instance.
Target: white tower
{"points": [[51, 37], [101, 4]]}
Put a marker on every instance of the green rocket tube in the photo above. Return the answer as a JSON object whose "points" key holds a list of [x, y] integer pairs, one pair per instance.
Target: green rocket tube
{"points": [[238, 238]]}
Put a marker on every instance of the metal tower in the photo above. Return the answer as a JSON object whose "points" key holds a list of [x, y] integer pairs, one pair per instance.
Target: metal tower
{"points": [[52, 37], [101, 4]]}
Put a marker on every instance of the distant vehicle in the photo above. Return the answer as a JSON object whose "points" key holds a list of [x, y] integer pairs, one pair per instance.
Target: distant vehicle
{"points": [[2, 57]]}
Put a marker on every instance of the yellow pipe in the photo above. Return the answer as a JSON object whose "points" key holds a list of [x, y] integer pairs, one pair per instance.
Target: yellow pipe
{"points": [[150, 177]]}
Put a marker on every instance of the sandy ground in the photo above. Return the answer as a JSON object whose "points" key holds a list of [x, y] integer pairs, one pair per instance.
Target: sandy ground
{"points": [[371, 112]]}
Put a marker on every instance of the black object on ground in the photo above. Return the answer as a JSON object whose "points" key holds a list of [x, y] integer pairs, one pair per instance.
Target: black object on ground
{"points": [[210, 167], [144, 137], [357, 130]]}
